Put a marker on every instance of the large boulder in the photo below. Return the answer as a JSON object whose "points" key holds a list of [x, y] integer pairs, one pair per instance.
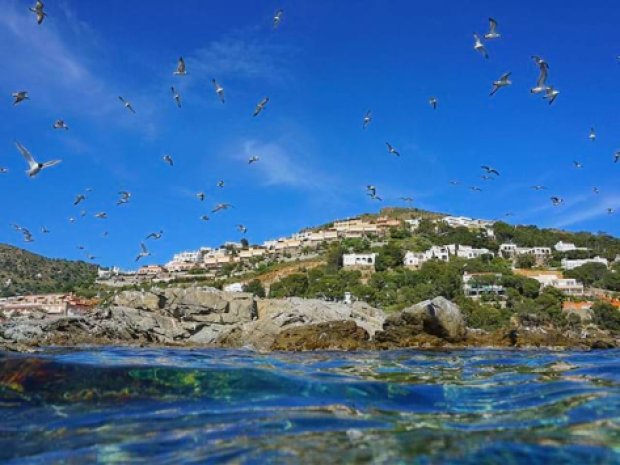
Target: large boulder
{"points": [[141, 300], [335, 335]]}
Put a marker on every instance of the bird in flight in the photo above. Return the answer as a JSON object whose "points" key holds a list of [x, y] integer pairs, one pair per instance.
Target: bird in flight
{"points": [[34, 167], [125, 196], [407, 200], [220, 184], [60, 124], [490, 170], [616, 157], [38, 10], [3, 170], [201, 196], [78, 199], [219, 90], [392, 150], [155, 235], [610, 211], [181, 70], [168, 159], [475, 189], [126, 104], [592, 135], [367, 119], [492, 34], [261, 106], [577, 164], [433, 102], [479, 47], [253, 159], [242, 229], [596, 190], [557, 201], [204, 218], [44, 230], [551, 94], [71, 220], [143, 252], [539, 188], [455, 182], [19, 97], [503, 81], [176, 96], [277, 18], [542, 77], [220, 207], [101, 215]]}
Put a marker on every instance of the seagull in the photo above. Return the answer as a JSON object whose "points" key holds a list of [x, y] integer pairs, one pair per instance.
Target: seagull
{"points": [[557, 201], [539, 188], [168, 159], [34, 167], [79, 198], [220, 207], [596, 190], [261, 106], [219, 90], [486, 177], [503, 81], [433, 102], [101, 215], [542, 77], [455, 182], [143, 252], [201, 196], [220, 184], [392, 150], [72, 220], [253, 159], [83, 213], [181, 71], [155, 235], [475, 189], [277, 18], [371, 190], [577, 164], [367, 119], [81, 247], [126, 104], [3, 170], [176, 96], [105, 233], [90, 257], [490, 170], [492, 34], [551, 94], [374, 196], [616, 157], [27, 235], [407, 200], [610, 211], [204, 218], [60, 124], [592, 135], [479, 47], [125, 196], [19, 97], [38, 10], [242, 229]]}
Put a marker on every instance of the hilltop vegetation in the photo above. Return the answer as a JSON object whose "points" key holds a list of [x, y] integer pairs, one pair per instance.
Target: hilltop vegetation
{"points": [[33, 274]]}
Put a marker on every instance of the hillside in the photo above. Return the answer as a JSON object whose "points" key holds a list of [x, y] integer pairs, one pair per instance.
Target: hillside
{"points": [[30, 273]]}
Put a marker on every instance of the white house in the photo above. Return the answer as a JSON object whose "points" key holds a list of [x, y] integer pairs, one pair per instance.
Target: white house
{"points": [[439, 252], [572, 264], [570, 287], [234, 287], [468, 252], [415, 259], [512, 250], [413, 224], [359, 260], [567, 247], [188, 257]]}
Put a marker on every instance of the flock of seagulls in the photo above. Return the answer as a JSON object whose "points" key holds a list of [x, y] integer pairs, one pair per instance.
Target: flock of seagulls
{"points": [[541, 87]]}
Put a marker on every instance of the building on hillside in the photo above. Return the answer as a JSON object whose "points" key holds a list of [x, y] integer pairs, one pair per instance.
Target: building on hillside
{"points": [[414, 224], [386, 223], [470, 223], [468, 252], [478, 285], [151, 270], [540, 254], [52, 304], [439, 252], [568, 286], [355, 228], [234, 287], [194, 256], [567, 247], [359, 260], [415, 260], [107, 273], [252, 252], [180, 267], [568, 264]]}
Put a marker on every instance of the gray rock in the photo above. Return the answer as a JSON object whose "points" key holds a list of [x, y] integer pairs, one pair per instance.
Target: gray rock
{"points": [[439, 317]]}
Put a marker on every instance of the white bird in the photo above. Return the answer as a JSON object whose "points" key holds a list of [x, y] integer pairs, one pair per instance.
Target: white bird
{"points": [[503, 81], [577, 164], [143, 252], [83, 213], [433, 102], [219, 90], [479, 47], [90, 257], [125, 196], [242, 229], [101, 215], [492, 34], [392, 150], [181, 69], [176, 96], [201, 196], [367, 119], [539, 188], [3, 170], [19, 97], [261, 106], [610, 211], [592, 135], [155, 235], [542, 77], [616, 157], [253, 159], [596, 190], [44, 230], [455, 182], [60, 124], [204, 218], [72, 220], [220, 207], [407, 200], [557, 201], [371, 190], [490, 170], [34, 167], [38, 10], [78, 199], [551, 94], [475, 189], [168, 159], [220, 184], [126, 104], [277, 18]]}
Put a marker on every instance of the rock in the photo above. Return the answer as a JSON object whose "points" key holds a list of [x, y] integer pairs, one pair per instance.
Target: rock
{"points": [[338, 335], [140, 300]]}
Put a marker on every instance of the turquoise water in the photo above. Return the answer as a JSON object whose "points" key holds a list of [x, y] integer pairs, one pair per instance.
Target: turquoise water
{"points": [[123, 406]]}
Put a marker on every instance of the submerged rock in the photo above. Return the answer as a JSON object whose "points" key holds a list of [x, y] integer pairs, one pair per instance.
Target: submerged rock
{"points": [[335, 335]]}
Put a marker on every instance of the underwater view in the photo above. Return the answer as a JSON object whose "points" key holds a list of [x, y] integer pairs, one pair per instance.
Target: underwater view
{"points": [[119, 406]]}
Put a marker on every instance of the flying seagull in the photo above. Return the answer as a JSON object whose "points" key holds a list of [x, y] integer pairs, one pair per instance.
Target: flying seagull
{"points": [[143, 252], [3, 170], [557, 201], [616, 157], [44, 230], [539, 188], [220, 184], [201, 196], [125, 196], [367, 119], [375, 197], [577, 164], [19, 97], [38, 10], [490, 170], [242, 229], [83, 213], [155, 235], [407, 200], [503, 81], [542, 77], [71, 220], [34, 167], [596, 190], [204, 218], [492, 34], [486, 177], [475, 189], [168, 159], [371, 190], [176, 96], [433, 102], [479, 47], [181, 70], [219, 90], [126, 104], [60, 124], [551, 94], [277, 18], [392, 150], [261, 106], [253, 159], [101, 215], [592, 135], [455, 182], [79, 198], [220, 207], [610, 211]]}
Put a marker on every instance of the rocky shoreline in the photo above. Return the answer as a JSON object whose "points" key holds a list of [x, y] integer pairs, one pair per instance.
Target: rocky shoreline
{"points": [[207, 317]]}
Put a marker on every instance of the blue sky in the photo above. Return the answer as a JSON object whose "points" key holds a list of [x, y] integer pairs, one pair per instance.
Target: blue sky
{"points": [[327, 64]]}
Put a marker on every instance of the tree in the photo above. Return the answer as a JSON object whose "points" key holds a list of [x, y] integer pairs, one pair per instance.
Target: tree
{"points": [[389, 256], [255, 287], [525, 261], [589, 273], [606, 316], [290, 286]]}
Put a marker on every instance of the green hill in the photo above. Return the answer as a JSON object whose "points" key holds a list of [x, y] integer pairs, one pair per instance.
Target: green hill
{"points": [[32, 274]]}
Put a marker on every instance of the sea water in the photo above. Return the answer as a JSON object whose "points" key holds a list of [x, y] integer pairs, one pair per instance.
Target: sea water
{"points": [[162, 406]]}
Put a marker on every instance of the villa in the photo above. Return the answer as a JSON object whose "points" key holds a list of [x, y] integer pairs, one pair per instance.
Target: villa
{"points": [[572, 264], [359, 260]]}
